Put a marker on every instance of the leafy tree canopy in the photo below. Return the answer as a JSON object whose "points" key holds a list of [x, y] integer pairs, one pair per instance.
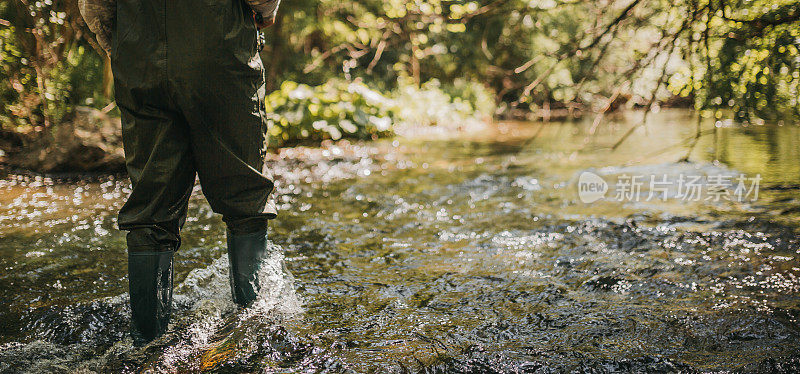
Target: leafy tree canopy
{"points": [[588, 56]]}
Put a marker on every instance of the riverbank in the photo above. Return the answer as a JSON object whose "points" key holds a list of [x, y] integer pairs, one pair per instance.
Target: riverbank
{"points": [[90, 141]]}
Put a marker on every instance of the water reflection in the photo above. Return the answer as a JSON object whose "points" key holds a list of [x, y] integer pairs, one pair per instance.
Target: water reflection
{"points": [[451, 255]]}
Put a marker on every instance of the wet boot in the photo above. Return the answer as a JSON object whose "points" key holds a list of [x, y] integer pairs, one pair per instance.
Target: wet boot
{"points": [[246, 252], [150, 276]]}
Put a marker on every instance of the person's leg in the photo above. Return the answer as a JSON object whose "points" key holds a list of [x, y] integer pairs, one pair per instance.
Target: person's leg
{"points": [[161, 168], [229, 175], [222, 97], [155, 134], [230, 156]]}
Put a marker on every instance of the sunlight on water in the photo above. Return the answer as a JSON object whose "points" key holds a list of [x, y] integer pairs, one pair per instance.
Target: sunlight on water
{"points": [[475, 253]]}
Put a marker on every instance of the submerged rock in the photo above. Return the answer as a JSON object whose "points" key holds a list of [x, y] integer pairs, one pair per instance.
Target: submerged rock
{"points": [[602, 283]]}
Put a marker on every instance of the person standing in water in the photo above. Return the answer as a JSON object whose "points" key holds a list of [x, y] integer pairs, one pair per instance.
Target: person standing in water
{"points": [[189, 82]]}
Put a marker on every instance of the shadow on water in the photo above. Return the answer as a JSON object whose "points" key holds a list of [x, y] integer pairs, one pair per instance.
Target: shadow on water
{"points": [[463, 255]]}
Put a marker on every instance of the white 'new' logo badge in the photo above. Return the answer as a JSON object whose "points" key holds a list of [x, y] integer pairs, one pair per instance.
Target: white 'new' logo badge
{"points": [[591, 187]]}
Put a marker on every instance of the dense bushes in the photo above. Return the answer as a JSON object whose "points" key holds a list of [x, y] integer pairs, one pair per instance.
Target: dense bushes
{"points": [[47, 66], [340, 109], [334, 110]]}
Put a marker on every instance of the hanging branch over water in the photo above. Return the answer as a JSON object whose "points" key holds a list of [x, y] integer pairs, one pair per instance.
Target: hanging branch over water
{"points": [[649, 106], [574, 49], [659, 83]]}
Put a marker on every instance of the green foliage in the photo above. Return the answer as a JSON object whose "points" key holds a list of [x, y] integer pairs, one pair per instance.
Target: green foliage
{"points": [[754, 60], [45, 68], [340, 109], [724, 54], [334, 110], [460, 106], [742, 55]]}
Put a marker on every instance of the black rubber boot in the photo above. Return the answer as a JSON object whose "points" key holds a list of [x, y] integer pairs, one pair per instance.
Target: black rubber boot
{"points": [[150, 280], [246, 252]]}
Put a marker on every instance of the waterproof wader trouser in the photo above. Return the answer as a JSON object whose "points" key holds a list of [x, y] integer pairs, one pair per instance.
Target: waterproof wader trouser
{"points": [[189, 83]]}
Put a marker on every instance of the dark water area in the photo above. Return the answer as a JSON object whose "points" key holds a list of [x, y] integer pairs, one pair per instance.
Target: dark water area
{"points": [[469, 254]]}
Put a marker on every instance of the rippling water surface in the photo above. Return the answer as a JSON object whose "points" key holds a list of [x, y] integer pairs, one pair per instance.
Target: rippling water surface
{"points": [[469, 254]]}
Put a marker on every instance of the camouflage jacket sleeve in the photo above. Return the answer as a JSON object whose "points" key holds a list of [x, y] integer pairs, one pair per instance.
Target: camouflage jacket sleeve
{"points": [[99, 15], [267, 8]]}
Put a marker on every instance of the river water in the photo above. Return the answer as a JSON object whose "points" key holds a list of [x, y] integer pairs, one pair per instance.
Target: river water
{"points": [[469, 254]]}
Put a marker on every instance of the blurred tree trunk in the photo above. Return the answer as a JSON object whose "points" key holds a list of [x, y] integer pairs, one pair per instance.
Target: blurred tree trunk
{"points": [[275, 53]]}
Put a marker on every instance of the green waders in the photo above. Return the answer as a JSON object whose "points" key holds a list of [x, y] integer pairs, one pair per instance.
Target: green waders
{"points": [[190, 85]]}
